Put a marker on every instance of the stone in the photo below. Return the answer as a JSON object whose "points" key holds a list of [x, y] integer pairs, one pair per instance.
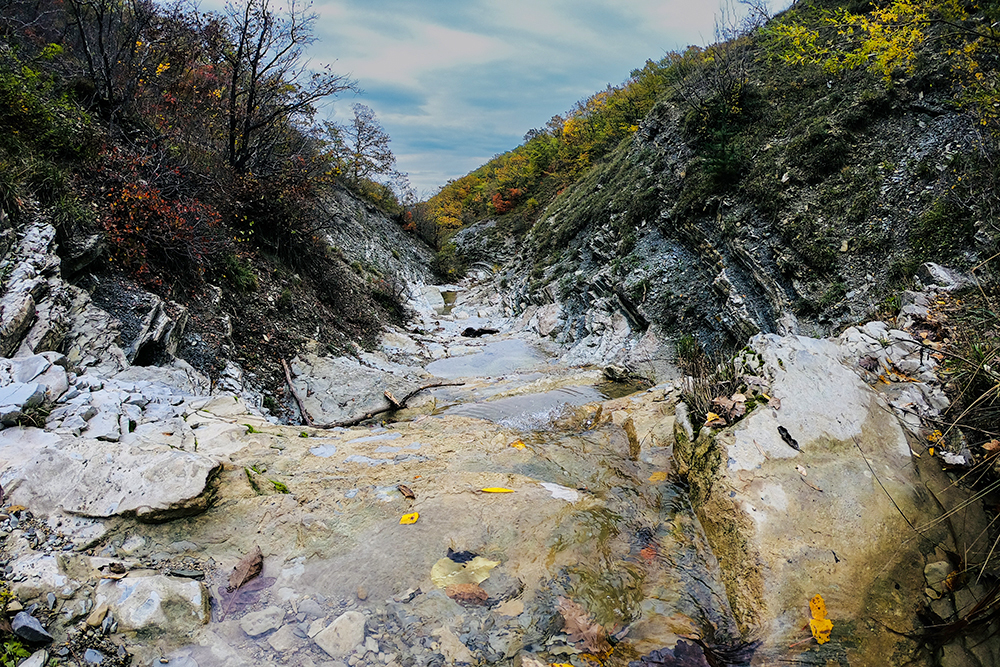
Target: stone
{"points": [[311, 608], [936, 575], [19, 396], [285, 640], [342, 636], [549, 317], [454, 651], [97, 616], [101, 479], [37, 659], [930, 273], [761, 512], [155, 605], [28, 628], [257, 623], [26, 369]]}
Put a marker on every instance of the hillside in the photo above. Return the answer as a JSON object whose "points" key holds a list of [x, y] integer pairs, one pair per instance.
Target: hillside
{"points": [[787, 179], [179, 160]]}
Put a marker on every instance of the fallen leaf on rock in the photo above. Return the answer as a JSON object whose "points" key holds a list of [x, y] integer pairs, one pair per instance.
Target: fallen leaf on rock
{"points": [[406, 491], [466, 593], [407, 519], [712, 419], [447, 572], [648, 553], [517, 444], [659, 476], [245, 597], [774, 402], [249, 567], [820, 625], [581, 628], [496, 489]]}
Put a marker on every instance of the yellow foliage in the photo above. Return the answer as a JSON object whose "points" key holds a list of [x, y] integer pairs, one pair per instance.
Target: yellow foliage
{"points": [[496, 489], [407, 519], [658, 477]]}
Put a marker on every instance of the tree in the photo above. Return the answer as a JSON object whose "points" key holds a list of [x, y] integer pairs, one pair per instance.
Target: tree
{"points": [[269, 83], [364, 146], [112, 38]]}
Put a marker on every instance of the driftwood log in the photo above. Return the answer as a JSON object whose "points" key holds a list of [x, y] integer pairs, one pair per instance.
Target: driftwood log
{"points": [[394, 404], [302, 408]]}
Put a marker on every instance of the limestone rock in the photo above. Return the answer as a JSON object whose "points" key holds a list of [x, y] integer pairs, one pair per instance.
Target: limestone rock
{"points": [[334, 389], [782, 520], [37, 659], [343, 635], [101, 479], [257, 623], [155, 604]]}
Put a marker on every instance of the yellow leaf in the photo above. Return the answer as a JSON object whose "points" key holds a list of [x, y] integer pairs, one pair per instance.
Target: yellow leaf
{"points": [[517, 444], [658, 477], [821, 628], [409, 518], [712, 419], [496, 489], [817, 607], [446, 572], [820, 625]]}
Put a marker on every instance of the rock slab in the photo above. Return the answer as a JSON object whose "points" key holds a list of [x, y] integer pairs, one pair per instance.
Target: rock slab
{"points": [[343, 635], [155, 604]]}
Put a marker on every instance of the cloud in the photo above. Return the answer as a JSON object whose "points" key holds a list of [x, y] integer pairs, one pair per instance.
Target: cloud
{"points": [[456, 82]]}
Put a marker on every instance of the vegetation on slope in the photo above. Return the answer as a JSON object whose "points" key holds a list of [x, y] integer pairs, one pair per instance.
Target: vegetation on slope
{"points": [[173, 149], [797, 94]]}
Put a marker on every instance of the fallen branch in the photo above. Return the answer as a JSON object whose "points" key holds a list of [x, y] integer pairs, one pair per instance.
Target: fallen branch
{"points": [[394, 405], [302, 408]]}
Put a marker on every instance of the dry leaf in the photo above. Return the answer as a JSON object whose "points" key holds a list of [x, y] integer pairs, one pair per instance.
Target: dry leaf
{"points": [[580, 628], [820, 625], [406, 491], [517, 444], [466, 593], [249, 567], [712, 419], [407, 519], [447, 572], [774, 402], [496, 489], [658, 476]]}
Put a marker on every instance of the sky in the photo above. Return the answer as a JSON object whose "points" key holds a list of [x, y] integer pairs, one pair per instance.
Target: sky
{"points": [[455, 82]]}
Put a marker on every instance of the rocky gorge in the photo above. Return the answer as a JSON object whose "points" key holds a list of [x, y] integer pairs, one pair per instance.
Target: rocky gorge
{"points": [[533, 508]]}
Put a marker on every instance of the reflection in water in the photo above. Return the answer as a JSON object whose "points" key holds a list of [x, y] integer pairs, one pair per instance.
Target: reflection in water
{"points": [[530, 412], [449, 301], [499, 358]]}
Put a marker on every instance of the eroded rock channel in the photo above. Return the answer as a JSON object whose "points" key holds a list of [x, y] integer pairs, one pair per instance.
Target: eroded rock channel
{"points": [[527, 516]]}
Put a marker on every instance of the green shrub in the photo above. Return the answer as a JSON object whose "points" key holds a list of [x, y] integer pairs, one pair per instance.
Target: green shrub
{"points": [[238, 273], [448, 264]]}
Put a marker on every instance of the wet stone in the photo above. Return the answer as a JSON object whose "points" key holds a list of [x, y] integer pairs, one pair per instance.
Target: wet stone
{"points": [[257, 623], [92, 657], [28, 628]]}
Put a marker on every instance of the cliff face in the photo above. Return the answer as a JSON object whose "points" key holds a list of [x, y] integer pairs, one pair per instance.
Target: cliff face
{"points": [[837, 192], [103, 321]]}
